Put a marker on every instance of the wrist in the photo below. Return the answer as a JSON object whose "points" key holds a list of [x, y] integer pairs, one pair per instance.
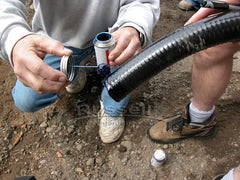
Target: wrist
{"points": [[141, 38]]}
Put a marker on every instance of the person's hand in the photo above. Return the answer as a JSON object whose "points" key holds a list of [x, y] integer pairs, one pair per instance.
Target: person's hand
{"points": [[127, 45], [31, 70], [205, 12]]}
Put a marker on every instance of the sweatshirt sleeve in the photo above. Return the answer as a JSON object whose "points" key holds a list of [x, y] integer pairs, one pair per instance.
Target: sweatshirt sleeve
{"points": [[140, 14], [14, 26]]}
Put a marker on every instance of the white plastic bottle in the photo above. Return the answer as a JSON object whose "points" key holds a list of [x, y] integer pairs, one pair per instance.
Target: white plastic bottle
{"points": [[158, 158]]}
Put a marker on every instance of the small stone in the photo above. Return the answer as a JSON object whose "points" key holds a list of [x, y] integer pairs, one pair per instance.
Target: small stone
{"points": [[122, 148], [114, 175], [94, 89], [34, 121], [43, 124], [59, 155], [54, 126], [10, 146], [90, 162], [49, 130], [70, 129], [79, 170], [124, 160], [43, 161], [165, 146], [79, 147], [99, 160]]}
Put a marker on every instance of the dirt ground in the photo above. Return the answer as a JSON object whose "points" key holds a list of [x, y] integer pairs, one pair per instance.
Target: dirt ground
{"points": [[62, 141]]}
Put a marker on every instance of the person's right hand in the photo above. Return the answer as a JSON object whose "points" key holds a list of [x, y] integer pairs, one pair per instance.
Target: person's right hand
{"points": [[31, 70]]}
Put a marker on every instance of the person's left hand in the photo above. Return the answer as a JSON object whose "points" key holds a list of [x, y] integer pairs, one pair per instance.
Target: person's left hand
{"points": [[127, 45], [205, 12]]}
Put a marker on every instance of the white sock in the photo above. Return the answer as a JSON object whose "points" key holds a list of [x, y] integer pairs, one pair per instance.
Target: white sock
{"points": [[199, 116], [229, 175]]}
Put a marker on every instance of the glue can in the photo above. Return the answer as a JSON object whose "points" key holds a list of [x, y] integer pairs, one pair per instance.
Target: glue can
{"points": [[158, 158], [103, 42]]}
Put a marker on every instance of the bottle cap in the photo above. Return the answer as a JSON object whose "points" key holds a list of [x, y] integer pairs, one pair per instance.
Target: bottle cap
{"points": [[103, 69], [160, 154]]}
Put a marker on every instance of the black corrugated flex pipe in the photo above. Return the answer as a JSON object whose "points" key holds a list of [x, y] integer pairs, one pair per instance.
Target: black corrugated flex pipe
{"points": [[170, 49]]}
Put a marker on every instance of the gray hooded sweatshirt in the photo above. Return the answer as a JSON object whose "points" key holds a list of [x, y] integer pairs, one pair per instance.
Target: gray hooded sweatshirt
{"points": [[74, 22]]}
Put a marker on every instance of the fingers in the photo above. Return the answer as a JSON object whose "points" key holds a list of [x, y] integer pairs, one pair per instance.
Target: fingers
{"points": [[43, 85], [201, 14], [40, 76], [51, 46], [31, 70], [127, 52], [205, 12], [127, 45]]}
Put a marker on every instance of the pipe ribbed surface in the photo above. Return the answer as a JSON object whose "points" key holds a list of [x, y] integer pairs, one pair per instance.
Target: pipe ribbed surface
{"points": [[170, 49]]}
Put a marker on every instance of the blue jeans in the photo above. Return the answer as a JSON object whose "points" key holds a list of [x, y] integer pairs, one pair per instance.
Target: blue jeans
{"points": [[28, 100]]}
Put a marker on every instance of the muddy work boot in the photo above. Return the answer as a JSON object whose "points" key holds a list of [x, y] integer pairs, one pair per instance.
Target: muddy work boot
{"points": [[177, 128], [185, 5]]}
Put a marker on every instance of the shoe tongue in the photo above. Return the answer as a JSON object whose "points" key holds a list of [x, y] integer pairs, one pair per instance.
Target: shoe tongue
{"points": [[175, 124]]}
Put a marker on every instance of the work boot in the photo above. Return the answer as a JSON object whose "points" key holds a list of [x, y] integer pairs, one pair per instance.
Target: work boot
{"points": [[185, 5], [79, 81], [218, 177], [173, 129], [110, 128]]}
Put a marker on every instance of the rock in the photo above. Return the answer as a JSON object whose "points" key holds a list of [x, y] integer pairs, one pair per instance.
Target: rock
{"points": [[94, 89], [79, 147], [70, 129], [10, 146], [43, 124], [49, 130], [114, 175], [165, 146], [124, 160], [79, 170], [90, 162], [122, 148], [43, 161], [99, 160]]}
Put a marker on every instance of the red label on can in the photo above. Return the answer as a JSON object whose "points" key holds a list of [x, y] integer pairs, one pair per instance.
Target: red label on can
{"points": [[107, 54]]}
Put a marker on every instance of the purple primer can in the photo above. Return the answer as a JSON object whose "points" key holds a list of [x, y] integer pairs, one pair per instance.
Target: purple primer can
{"points": [[158, 158]]}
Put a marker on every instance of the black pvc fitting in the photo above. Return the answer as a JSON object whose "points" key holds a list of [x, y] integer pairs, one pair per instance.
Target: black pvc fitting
{"points": [[170, 49]]}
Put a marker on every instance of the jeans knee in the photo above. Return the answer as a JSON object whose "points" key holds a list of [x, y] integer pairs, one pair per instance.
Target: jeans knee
{"points": [[31, 101], [25, 105]]}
